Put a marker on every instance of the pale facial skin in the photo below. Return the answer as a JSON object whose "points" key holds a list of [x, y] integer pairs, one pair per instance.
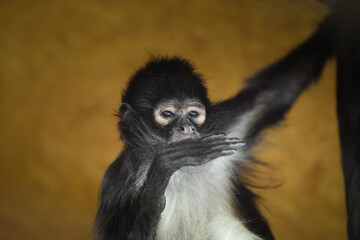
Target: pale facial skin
{"points": [[189, 112]]}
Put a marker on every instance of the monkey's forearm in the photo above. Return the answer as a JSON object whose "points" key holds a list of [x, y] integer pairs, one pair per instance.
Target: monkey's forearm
{"points": [[276, 88], [132, 217], [141, 213], [286, 78], [128, 209], [270, 93]]}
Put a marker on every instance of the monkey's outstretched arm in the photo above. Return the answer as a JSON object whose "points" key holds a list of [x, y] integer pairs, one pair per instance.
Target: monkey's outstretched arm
{"points": [[132, 194], [271, 92]]}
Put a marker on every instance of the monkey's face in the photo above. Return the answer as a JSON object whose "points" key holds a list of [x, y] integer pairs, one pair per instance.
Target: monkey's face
{"points": [[181, 119]]}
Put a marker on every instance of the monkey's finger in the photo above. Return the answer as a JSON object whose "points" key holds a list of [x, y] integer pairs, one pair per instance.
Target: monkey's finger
{"points": [[220, 148], [210, 146], [237, 144], [232, 143], [215, 141], [193, 148], [216, 155], [214, 136]]}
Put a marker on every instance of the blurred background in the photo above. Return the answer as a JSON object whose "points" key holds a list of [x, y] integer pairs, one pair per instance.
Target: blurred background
{"points": [[64, 65]]}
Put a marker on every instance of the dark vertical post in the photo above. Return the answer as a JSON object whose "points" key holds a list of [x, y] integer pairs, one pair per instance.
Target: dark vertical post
{"points": [[347, 14]]}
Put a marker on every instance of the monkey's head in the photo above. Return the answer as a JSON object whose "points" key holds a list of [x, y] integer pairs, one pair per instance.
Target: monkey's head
{"points": [[165, 100]]}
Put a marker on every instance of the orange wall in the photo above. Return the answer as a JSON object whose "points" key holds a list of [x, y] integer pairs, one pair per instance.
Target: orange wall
{"points": [[64, 65]]}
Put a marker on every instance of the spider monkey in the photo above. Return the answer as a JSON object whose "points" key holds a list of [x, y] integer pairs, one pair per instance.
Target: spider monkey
{"points": [[177, 177]]}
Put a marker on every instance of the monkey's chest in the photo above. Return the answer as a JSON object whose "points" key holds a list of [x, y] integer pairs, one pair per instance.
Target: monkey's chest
{"points": [[190, 206], [199, 207]]}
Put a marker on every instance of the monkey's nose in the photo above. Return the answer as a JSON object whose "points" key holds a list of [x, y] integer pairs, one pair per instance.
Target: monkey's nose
{"points": [[186, 129]]}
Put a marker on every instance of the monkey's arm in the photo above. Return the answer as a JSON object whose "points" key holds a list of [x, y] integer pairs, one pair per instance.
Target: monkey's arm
{"points": [[121, 214], [271, 92], [132, 194]]}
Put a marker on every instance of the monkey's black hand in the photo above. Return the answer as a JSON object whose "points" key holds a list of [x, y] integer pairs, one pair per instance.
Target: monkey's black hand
{"points": [[192, 152], [196, 152]]}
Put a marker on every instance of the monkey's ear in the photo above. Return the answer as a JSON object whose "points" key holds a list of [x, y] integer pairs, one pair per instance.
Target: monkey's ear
{"points": [[123, 108]]}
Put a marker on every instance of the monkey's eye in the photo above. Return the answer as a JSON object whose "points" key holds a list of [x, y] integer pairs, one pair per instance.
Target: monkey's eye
{"points": [[167, 114], [193, 114]]}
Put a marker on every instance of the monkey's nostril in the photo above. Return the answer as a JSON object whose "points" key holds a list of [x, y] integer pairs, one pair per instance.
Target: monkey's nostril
{"points": [[186, 129]]}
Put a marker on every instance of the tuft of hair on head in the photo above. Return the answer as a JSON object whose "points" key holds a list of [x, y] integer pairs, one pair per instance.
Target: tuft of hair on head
{"points": [[164, 78]]}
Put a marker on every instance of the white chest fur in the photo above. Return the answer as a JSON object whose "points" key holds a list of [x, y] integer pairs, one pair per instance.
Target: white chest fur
{"points": [[198, 205]]}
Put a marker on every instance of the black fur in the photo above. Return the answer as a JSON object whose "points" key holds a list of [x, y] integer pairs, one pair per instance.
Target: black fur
{"points": [[348, 105], [132, 194]]}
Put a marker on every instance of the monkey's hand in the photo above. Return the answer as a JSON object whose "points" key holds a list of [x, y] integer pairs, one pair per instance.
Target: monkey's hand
{"points": [[190, 152], [194, 152]]}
